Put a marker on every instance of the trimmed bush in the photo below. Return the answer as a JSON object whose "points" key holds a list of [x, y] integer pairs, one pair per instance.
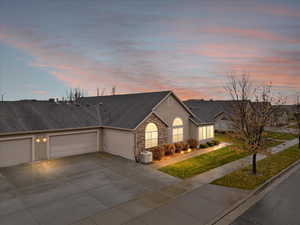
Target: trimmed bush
{"points": [[169, 149], [185, 146], [193, 143], [216, 142], [203, 146], [178, 146], [158, 152], [210, 143]]}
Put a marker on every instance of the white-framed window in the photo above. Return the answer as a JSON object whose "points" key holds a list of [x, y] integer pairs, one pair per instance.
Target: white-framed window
{"points": [[202, 133], [210, 131], [177, 130], [206, 132], [151, 135]]}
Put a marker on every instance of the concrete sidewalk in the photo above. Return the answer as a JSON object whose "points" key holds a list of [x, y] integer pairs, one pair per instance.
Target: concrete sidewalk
{"points": [[211, 175]]}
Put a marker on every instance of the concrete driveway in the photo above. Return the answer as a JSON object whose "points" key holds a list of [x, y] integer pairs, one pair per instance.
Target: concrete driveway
{"points": [[63, 191]]}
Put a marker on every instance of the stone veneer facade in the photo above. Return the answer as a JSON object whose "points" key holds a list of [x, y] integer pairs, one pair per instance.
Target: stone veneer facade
{"points": [[140, 133]]}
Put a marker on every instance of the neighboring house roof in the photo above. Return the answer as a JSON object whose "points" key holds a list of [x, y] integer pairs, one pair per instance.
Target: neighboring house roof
{"points": [[38, 116], [289, 109], [208, 110]]}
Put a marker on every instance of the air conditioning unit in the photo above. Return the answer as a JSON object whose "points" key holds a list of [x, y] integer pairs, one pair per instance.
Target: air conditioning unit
{"points": [[146, 157]]}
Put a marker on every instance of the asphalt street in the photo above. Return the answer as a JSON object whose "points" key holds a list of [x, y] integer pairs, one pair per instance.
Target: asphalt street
{"points": [[278, 207]]}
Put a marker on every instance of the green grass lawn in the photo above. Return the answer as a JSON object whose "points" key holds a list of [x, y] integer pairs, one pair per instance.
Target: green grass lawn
{"points": [[293, 126], [279, 136], [202, 163], [229, 139], [266, 168]]}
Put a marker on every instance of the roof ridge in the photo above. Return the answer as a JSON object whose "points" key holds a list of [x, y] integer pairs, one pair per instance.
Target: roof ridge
{"points": [[128, 94]]}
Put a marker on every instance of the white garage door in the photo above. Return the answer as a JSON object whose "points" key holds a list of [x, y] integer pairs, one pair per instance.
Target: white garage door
{"points": [[14, 152], [72, 144]]}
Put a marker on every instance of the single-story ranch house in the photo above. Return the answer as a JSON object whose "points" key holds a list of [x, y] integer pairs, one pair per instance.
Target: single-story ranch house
{"points": [[122, 125], [218, 111]]}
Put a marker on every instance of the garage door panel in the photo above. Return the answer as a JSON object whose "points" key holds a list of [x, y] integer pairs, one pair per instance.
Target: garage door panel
{"points": [[14, 152], [73, 144]]}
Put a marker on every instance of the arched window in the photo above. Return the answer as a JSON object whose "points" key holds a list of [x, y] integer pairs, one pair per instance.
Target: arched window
{"points": [[177, 130], [151, 135]]}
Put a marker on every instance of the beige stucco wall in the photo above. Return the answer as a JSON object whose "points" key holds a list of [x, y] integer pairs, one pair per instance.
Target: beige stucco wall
{"points": [[118, 142], [194, 131], [168, 110], [223, 125]]}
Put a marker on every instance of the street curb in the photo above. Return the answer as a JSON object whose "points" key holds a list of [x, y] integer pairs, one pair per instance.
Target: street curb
{"points": [[254, 192]]}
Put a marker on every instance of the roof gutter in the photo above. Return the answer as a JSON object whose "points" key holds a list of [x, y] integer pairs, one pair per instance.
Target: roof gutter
{"points": [[61, 130]]}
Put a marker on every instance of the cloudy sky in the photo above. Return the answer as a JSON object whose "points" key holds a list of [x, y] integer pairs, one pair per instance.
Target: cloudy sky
{"points": [[48, 46]]}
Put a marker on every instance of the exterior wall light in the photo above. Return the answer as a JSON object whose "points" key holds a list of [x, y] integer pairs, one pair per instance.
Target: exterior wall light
{"points": [[189, 150], [44, 139], [182, 152], [38, 140]]}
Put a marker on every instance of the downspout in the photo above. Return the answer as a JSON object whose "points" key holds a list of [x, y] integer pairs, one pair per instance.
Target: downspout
{"points": [[100, 133], [136, 155]]}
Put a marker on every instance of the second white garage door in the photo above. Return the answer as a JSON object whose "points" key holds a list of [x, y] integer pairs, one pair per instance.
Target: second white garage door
{"points": [[72, 144]]}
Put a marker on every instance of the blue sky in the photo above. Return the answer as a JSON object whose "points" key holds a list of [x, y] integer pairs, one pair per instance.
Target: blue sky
{"points": [[188, 46]]}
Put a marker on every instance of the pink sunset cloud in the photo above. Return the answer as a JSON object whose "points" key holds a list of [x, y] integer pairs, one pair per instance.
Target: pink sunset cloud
{"points": [[250, 33], [76, 70], [279, 10], [227, 51]]}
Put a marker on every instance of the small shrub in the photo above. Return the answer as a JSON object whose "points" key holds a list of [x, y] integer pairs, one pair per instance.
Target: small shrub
{"points": [[172, 148], [216, 142], [178, 146], [158, 152], [203, 146], [211, 143], [193, 143], [169, 149], [185, 146]]}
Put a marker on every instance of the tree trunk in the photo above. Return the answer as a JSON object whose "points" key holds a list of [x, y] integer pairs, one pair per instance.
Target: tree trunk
{"points": [[299, 142], [254, 163]]}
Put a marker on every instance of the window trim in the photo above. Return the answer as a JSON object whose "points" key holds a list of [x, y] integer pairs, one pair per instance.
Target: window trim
{"points": [[151, 142], [206, 132], [179, 128]]}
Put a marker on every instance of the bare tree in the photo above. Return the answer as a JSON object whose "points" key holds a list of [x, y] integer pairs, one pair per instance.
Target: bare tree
{"points": [[297, 117], [251, 112], [73, 95]]}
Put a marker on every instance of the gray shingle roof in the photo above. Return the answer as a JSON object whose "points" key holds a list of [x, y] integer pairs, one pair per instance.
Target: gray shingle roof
{"points": [[128, 110], [120, 111], [34, 116], [207, 110]]}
